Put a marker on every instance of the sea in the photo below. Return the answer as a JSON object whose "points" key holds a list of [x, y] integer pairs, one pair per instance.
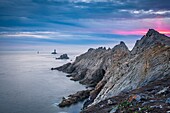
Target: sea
{"points": [[27, 85]]}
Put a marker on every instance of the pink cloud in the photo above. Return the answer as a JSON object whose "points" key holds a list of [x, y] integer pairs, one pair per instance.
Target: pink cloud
{"points": [[139, 32], [131, 32]]}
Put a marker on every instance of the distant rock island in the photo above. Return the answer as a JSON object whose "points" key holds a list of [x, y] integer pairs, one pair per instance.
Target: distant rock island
{"points": [[63, 56], [123, 80], [54, 52]]}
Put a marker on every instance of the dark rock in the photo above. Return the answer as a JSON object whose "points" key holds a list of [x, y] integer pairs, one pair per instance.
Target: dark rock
{"points": [[54, 52], [68, 75], [96, 77], [74, 98], [81, 75], [91, 49], [65, 66], [63, 56]]}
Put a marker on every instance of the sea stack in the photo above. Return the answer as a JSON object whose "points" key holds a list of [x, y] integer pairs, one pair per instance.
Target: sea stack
{"points": [[54, 52]]}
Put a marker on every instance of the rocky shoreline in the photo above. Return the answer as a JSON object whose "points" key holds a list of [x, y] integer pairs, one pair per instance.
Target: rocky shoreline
{"points": [[74, 98], [117, 71]]}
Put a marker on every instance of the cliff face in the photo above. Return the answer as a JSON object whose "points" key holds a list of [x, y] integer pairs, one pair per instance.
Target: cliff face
{"points": [[119, 70], [89, 68], [149, 61]]}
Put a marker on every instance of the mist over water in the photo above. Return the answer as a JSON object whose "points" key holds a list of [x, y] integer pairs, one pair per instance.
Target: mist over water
{"points": [[27, 85]]}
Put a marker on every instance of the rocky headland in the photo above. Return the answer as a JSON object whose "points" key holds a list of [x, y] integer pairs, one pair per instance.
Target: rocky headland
{"points": [[117, 72]]}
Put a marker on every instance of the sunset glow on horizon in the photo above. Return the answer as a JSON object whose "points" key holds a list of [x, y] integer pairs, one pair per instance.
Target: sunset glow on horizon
{"points": [[139, 32]]}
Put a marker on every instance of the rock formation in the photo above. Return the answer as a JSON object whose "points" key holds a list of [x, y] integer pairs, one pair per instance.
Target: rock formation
{"points": [[89, 68], [117, 70], [149, 61], [63, 56], [74, 98], [54, 52]]}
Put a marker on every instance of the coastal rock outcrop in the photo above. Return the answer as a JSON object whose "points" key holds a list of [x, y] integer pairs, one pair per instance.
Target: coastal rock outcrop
{"points": [[63, 56], [54, 52], [74, 98], [115, 71]]}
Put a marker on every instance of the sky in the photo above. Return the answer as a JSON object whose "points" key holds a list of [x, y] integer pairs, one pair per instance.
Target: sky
{"points": [[75, 23]]}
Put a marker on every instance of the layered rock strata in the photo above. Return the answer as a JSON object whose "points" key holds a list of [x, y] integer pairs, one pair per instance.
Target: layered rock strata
{"points": [[152, 98]]}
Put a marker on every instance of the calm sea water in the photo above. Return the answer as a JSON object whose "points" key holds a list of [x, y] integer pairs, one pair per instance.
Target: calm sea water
{"points": [[27, 85]]}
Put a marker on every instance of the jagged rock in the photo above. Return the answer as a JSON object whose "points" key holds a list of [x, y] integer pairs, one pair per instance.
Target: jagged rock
{"points": [[149, 61], [150, 39], [74, 98], [91, 66], [91, 49], [63, 56], [62, 67]]}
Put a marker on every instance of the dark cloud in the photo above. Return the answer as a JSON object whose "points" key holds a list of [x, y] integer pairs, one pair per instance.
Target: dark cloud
{"points": [[62, 13]]}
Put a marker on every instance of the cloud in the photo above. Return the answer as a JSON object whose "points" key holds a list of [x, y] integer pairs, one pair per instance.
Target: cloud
{"points": [[159, 12], [81, 21], [55, 36], [139, 32]]}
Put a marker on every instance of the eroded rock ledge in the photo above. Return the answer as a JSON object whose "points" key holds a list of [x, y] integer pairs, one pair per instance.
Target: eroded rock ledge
{"points": [[74, 98]]}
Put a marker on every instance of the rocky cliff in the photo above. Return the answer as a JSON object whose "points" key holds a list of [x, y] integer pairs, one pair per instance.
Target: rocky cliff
{"points": [[118, 70], [90, 67], [149, 60]]}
